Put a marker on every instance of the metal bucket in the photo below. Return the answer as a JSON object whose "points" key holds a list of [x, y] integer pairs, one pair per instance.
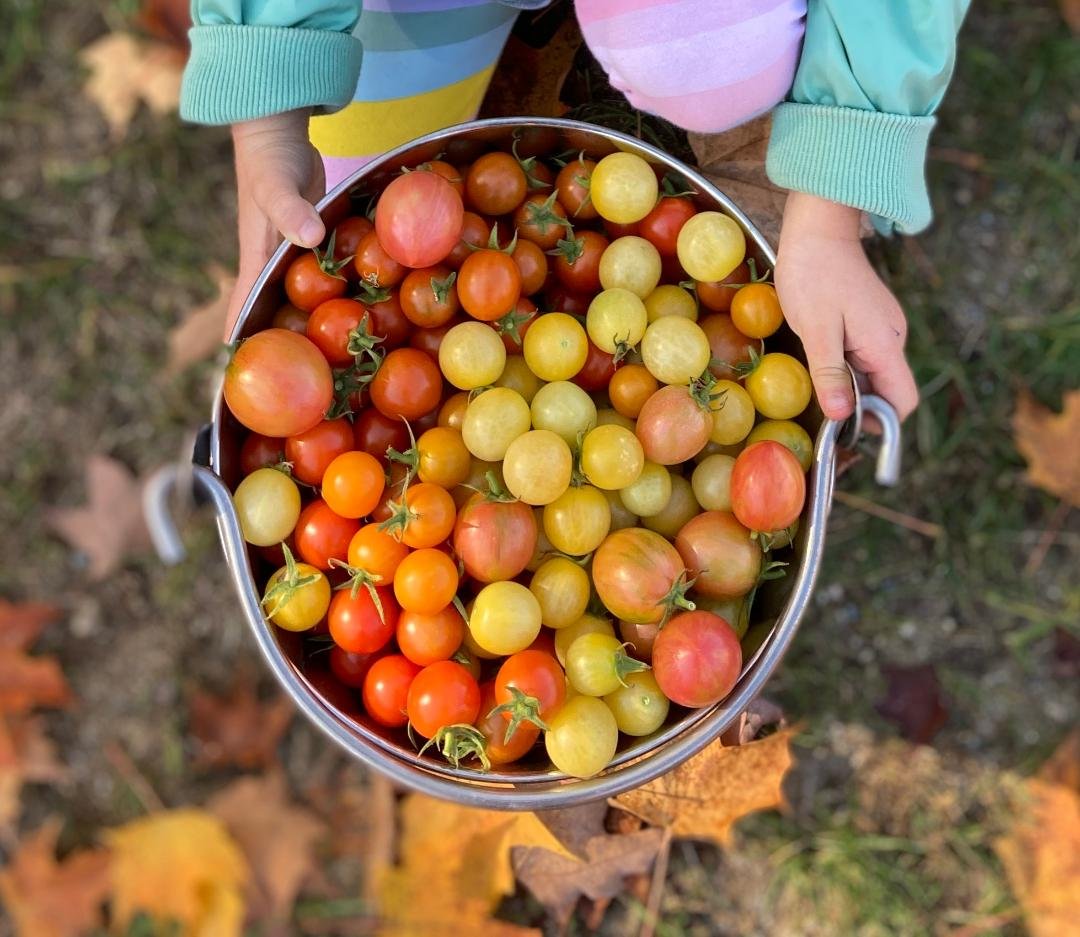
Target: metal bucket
{"points": [[334, 708]]}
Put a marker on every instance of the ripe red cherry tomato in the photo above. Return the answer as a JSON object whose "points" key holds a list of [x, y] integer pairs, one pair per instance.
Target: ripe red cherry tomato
{"points": [[474, 233], [442, 694], [374, 433], [386, 689], [329, 327], [696, 659], [429, 340], [768, 488], [728, 346], [450, 173], [350, 669], [429, 297], [577, 265], [597, 370], [492, 726], [321, 535], [260, 451], [311, 452], [374, 265], [532, 264], [662, 225], [541, 220], [495, 184], [539, 677], [386, 319], [312, 280], [407, 385], [347, 237], [291, 318], [356, 624], [717, 296], [572, 184], [489, 284], [418, 218]]}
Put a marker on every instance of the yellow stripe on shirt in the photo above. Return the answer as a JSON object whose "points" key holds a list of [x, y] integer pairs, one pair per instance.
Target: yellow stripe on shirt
{"points": [[366, 127]]}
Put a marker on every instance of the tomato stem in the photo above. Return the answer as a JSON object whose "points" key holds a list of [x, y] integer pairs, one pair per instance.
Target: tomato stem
{"points": [[674, 186], [284, 589], [326, 261], [526, 165], [625, 664], [360, 579], [441, 288], [676, 598], [521, 708], [458, 742]]}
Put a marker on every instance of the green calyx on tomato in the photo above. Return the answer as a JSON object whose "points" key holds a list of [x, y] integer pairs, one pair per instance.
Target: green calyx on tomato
{"points": [[625, 664], [364, 346], [410, 458], [371, 292], [521, 708], [569, 248], [346, 383], [493, 242], [527, 165], [458, 742], [285, 588], [675, 186], [327, 263], [543, 216], [508, 324], [677, 598], [361, 579], [441, 288]]}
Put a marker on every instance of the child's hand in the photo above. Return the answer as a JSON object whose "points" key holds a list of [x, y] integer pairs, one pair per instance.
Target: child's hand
{"points": [[278, 176], [837, 304]]}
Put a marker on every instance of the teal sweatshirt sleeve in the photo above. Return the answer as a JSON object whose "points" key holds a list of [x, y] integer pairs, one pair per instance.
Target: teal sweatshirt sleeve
{"points": [[856, 127]]}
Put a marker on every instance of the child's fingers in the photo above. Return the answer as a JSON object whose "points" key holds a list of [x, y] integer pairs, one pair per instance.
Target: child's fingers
{"points": [[288, 211], [824, 346], [891, 378]]}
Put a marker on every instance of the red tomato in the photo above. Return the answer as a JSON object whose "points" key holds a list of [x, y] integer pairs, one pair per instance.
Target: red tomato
{"points": [[539, 677], [350, 669], [386, 690], [673, 426], [312, 279], [311, 452], [442, 694], [260, 451], [768, 488], [532, 264], [356, 624], [722, 559], [474, 233], [291, 318], [321, 535], [577, 265], [418, 218], [638, 575], [374, 265], [541, 220], [386, 320], [329, 327], [449, 172], [347, 237], [717, 296], [278, 383], [597, 370], [375, 433], [425, 639], [615, 230], [407, 385], [429, 297], [572, 184], [662, 225], [560, 299], [489, 284], [696, 659], [492, 726], [728, 346], [495, 184], [495, 540], [429, 340]]}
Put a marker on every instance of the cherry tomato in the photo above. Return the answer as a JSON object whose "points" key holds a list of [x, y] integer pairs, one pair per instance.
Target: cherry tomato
{"points": [[696, 659], [321, 535], [358, 624], [505, 618], [710, 245], [452, 411], [597, 371], [616, 321], [562, 588], [374, 432], [493, 420], [662, 225], [472, 355], [386, 320], [728, 346], [429, 341], [278, 383], [638, 575], [425, 581], [540, 686], [492, 726], [611, 457], [494, 539], [347, 237], [577, 263], [260, 451], [450, 173], [489, 284], [374, 265], [572, 185], [673, 425], [425, 518], [267, 505], [779, 386], [670, 300], [578, 520], [442, 694], [630, 263], [675, 350], [474, 233], [329, 327], [350, 669], [639, 705], [586, 624], [291, 318], [789, 434], [716, 295], [532, 264], [768, 487], [561, 299], [649, 494], [376, 553], [624, 188], [495, 184], [353, 484], [311, 452], [720, 555], [513, 326], [680, 509], [755, 310], [418, 218], [443, 459], [296, 599], [429, 297], [555, 347], [711, 482], [541, 220], [630, 387], [407, 385], [425, 639], [537, 466], [386, 690], [517, 376], [563, 408], [641, 638], [311, 279], [597, 664], [582, 737]]}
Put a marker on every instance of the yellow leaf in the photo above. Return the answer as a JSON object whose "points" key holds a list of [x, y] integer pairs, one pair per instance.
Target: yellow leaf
{"points": [[704, 796], [1050, 443], [1041, 853], [179, 865], [125, 71], [455, 867]]}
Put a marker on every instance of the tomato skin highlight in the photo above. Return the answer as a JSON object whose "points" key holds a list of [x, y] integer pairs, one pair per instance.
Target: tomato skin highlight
{"points": [[386, 690], [494, 539], [768, 487], [418, 218], [355, 623], [696, 659], [278, 383], [442, 694], [634, 571]]}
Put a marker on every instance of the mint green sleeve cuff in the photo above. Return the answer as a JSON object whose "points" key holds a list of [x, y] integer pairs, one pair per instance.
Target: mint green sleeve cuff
{"points": [[240, 72], [866, 159]]}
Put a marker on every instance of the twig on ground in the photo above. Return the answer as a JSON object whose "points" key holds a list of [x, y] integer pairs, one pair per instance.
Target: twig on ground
{"points": [[1047, 538], [924, 528], [656, 890], [135, 780], [922, 260], [965, 159]]}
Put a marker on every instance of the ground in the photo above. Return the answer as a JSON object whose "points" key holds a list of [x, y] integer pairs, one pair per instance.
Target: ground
{"points": [[104, 246]]}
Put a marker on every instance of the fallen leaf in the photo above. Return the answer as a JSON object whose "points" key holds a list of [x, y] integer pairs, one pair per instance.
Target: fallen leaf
{"points": [[26, 682], [759, 714], [1070, 12], [26, 755], [179, 865], [277, 836], [46, 898], [1050, 443], [198, 335], [124, 71], [238, 729], [703, 797], [21, 623], [914, 702], [527, 80], [1041, 853], [111, 525], [168, 20]]}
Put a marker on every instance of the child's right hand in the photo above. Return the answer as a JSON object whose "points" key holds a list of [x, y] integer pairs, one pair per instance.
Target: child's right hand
{"points": [[279, 176]]}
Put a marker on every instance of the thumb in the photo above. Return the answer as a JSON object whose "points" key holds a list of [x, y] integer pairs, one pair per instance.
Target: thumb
{"points": [[824, 345], [288, 211]]}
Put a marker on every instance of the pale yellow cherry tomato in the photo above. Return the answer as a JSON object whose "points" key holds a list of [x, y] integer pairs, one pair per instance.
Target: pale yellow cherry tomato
{"points": [[562, 588], [711, 482], [505, 618], [267, 506], [710, 246], [621, 515], [537, 467], [586, 624], [630, 263], [649, 494], [608, 416], [493, 420], [616, 321], [297, 596], [623, 188], [476, 480], [787, 433], [779, 386], [544, 549], [639, 707], [578, 520], [675, 350], [517, 376], [681, 508], [611, 457], [555, 346], [582, 735], [565, 409], [670, 300], [732, 413], [472, 355]]}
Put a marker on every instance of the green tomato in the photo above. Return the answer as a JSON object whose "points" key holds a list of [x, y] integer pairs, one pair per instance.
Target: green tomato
{"points": [[582, 737], [267, 506], [711, 482], [640, 707]]}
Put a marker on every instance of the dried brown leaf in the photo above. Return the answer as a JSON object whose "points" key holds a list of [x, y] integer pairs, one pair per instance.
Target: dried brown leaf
{"points": [[277, 837], [703, 797], [198, 335], [124, 71], [26, 754], [527, 81], [1070, 12], [238, 729], [914, 702], [27, 682], [46, 898], [111, 524], [759, 714], [22, 622], [1050, 443], [167, 20]]}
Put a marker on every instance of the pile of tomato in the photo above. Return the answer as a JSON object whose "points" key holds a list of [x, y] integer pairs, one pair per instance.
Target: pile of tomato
{"points": [[519, 456]]}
